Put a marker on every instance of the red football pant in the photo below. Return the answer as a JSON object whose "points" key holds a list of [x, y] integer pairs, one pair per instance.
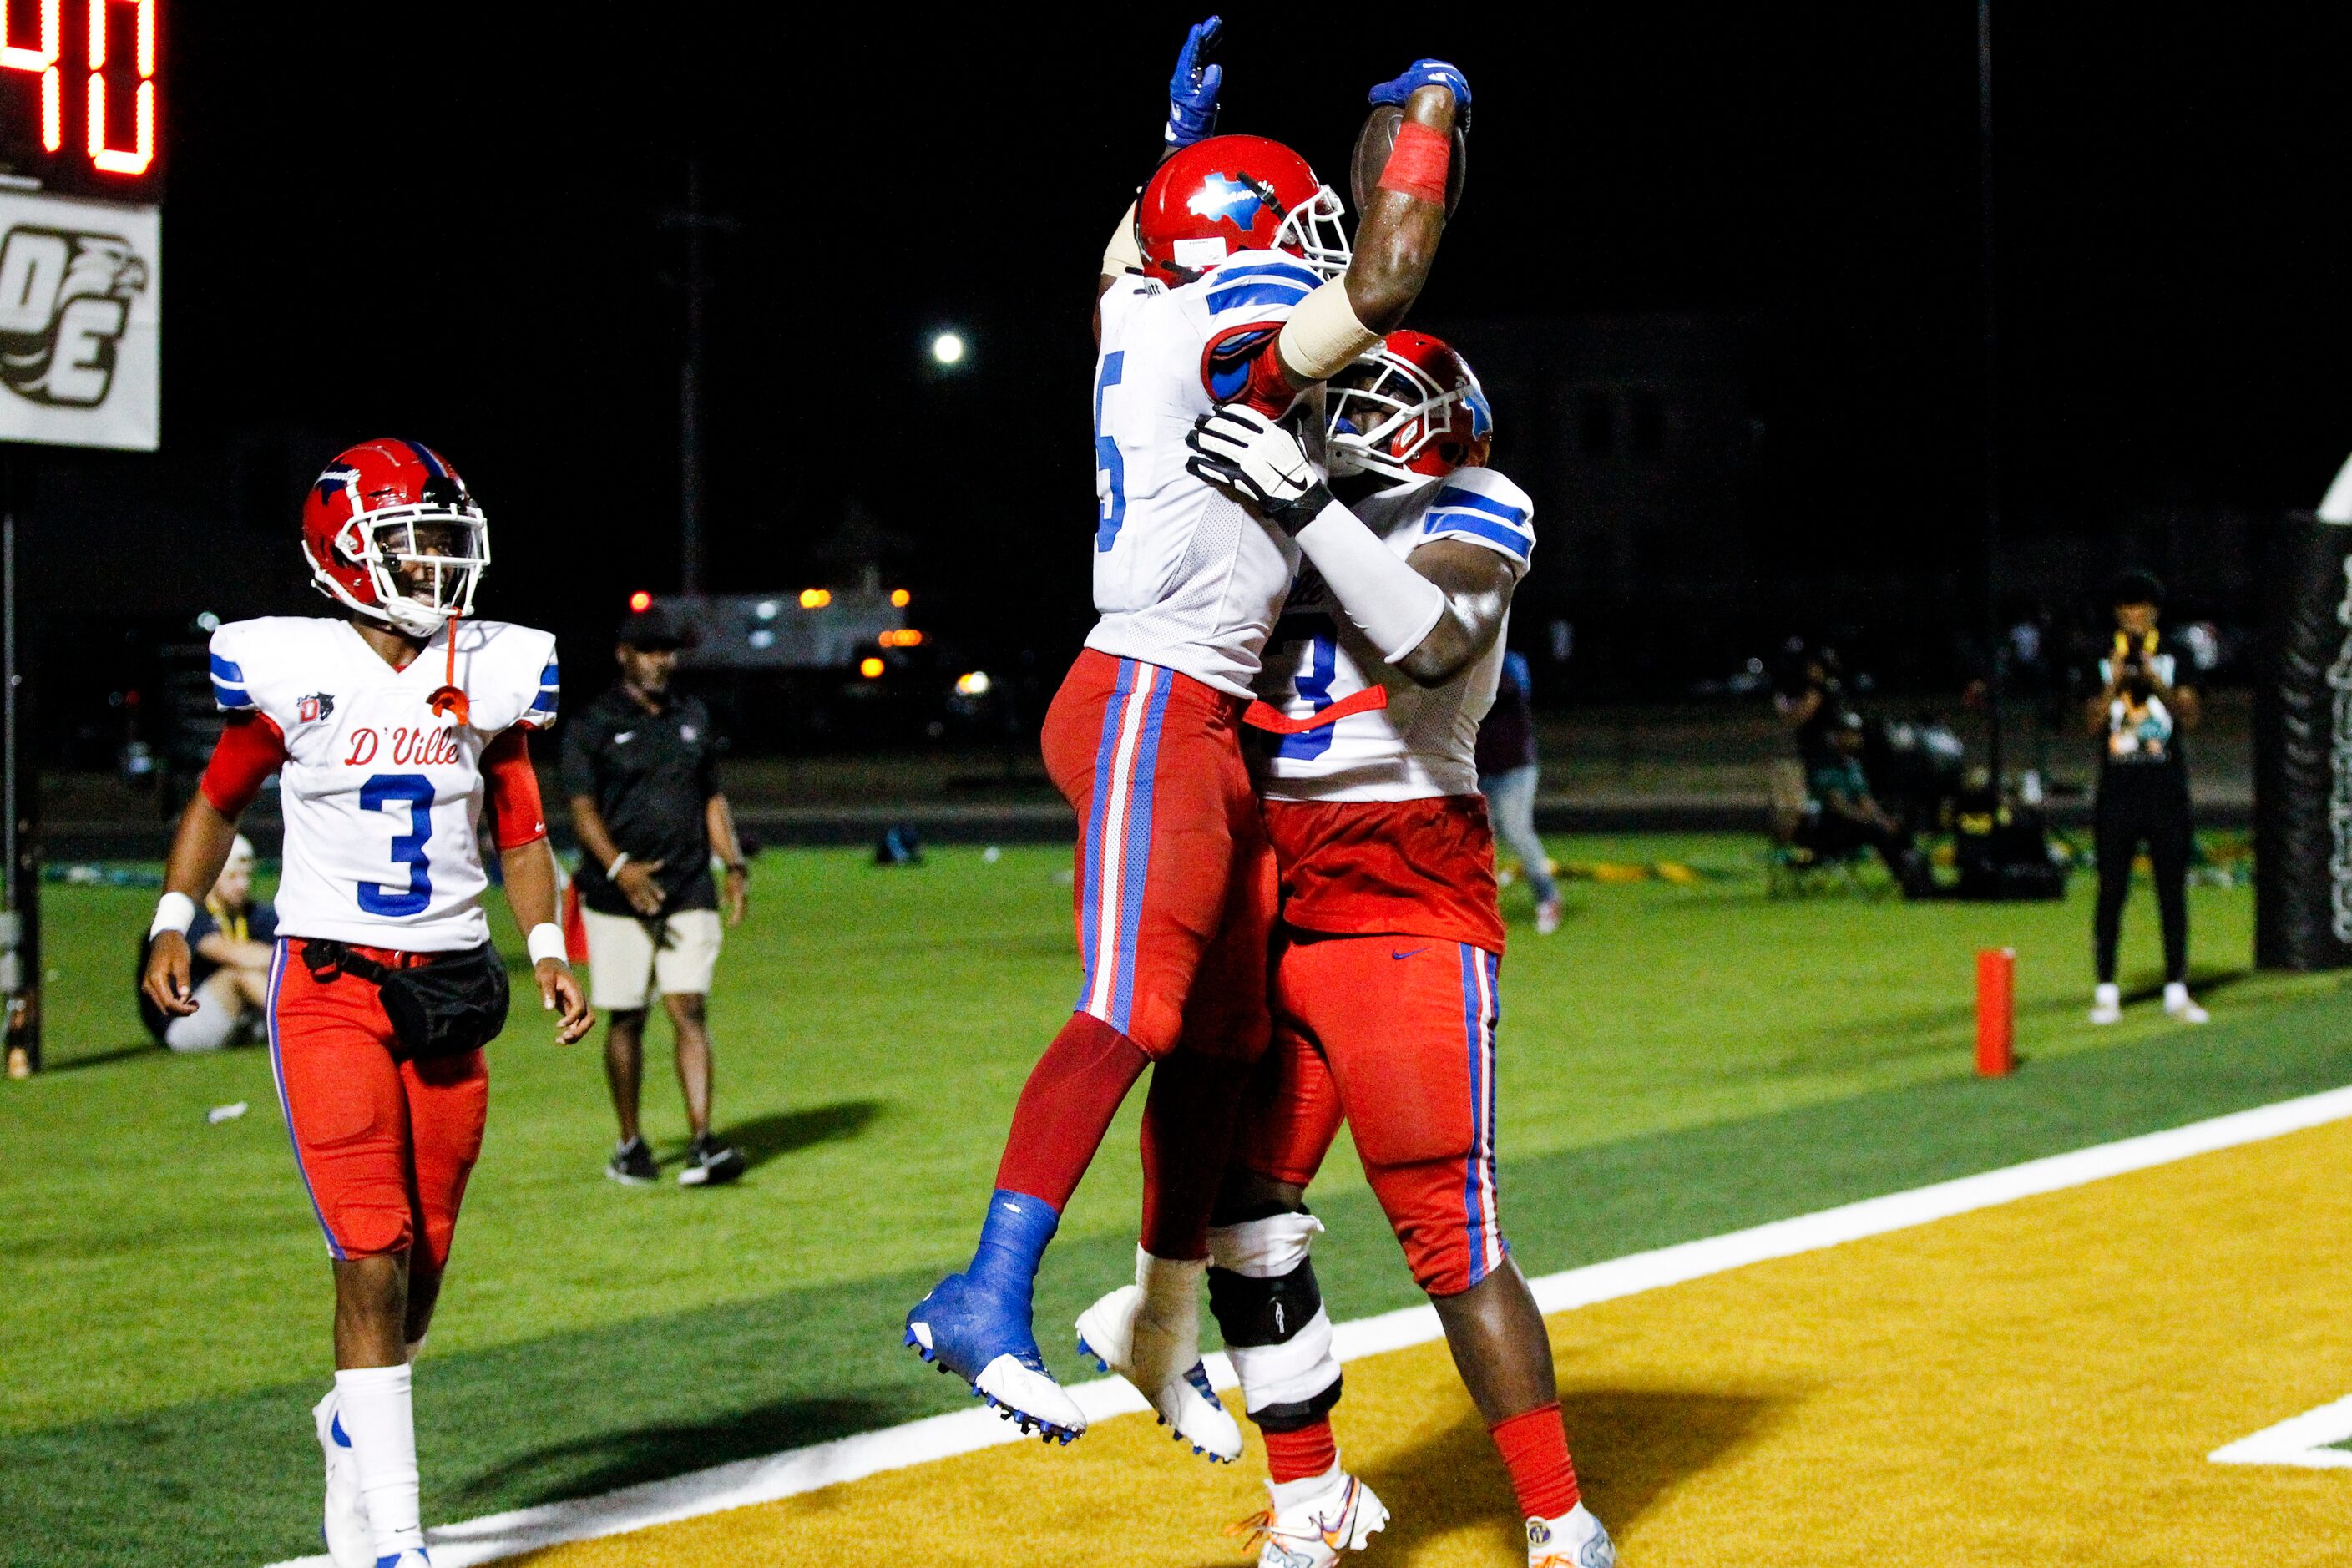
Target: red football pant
{"points": [[1397, 1034], [1174, 884], [383, 1147]]}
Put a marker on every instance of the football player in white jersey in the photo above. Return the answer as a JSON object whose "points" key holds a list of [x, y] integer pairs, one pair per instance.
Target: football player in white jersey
{"points": [[1390, 941], [389, 729], [1232, 279]]}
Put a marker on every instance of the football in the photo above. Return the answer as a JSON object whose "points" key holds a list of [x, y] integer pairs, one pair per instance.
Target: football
{"points": [[1372, 144]]}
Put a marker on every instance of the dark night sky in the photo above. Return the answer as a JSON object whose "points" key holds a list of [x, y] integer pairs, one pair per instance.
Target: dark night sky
{"points": [[397, 219]]}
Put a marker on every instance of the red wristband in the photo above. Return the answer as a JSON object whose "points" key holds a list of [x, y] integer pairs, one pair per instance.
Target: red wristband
{"points": [[1416, 165]]}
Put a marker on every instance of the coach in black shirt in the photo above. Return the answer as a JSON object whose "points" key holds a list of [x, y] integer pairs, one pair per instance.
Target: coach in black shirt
{"points": [[641, 768]]}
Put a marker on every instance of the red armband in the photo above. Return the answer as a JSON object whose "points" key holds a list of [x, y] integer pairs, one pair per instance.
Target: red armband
{"points": [[251, 749], [513, 786], [1417, 163]]}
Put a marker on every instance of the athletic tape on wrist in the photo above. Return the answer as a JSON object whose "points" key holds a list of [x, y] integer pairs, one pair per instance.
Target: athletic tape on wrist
{"points": [[173, 912], [1417, 163], [545, 941], [1323, 336]]}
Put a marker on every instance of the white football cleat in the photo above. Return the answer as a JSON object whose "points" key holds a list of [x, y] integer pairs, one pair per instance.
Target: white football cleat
{"points": [[1548, 915], [351, 1541], [1574, 1540], [1162, 1361], [2107, 1004], [2181, 1006], [1333, 1513]]}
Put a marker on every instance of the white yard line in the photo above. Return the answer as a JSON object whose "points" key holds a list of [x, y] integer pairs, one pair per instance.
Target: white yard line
{"points": [[2302, 1441], [797, 1470]]}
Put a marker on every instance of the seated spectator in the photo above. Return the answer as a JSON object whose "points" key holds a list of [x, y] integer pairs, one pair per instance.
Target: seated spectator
{"points": [[1807, 692], [230, 944], [1843, 817]]}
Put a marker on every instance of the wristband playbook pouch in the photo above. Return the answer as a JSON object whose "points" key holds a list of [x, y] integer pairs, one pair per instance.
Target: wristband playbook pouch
{"points": [[452, 1005]]}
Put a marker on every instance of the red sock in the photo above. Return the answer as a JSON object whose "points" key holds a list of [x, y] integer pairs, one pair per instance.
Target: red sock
{"points": [[1534, 1446], [1188, 1126], [1066, 1108], [1298, 1456]]}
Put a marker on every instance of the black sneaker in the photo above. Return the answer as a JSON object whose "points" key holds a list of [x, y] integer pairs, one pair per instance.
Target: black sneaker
{"points": [[632, 1165], [709, 1162]]}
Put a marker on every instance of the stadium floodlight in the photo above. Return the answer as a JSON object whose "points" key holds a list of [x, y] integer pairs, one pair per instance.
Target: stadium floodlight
{"points": [[815, 598], [641, 601], [869, 667], [947, 349], [900, 598], [973, 683]]}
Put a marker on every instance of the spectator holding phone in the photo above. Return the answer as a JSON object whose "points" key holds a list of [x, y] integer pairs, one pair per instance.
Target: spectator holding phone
{"points": [[2138, 718]]}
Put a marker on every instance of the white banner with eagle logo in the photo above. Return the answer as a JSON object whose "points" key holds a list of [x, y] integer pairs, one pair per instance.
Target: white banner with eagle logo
{"points": [[80, 322]]}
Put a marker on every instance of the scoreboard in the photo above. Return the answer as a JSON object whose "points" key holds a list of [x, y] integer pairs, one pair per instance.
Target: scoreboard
{"points": [[80, 82]]}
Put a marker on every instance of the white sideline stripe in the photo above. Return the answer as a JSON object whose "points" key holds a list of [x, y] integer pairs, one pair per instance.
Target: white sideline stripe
{"points": [[797, 1470], [2301, 1441]]}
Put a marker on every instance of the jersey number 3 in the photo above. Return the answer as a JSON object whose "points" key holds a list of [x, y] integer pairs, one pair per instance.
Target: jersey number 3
{"points": [[415, 791], [1111, 469]]}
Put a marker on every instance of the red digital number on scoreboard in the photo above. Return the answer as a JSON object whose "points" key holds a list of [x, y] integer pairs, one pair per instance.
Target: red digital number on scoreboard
{"points": [[78, 87]]}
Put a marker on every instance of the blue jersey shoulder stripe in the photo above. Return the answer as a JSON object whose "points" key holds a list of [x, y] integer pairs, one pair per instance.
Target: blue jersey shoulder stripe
{"points": [[1271, 291], [1440, 516], [227, 670], [1453, 495], [230, 699], [544, 702], [1511, 541], [1289, 269]]}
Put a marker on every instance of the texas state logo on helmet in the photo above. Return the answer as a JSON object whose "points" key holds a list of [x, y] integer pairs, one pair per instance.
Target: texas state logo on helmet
{"points": [[392, 533], [1229, 193], [1410, 409]]}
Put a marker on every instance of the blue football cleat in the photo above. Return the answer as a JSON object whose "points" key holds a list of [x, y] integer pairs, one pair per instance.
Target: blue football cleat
{"points": [[977, 1323]]}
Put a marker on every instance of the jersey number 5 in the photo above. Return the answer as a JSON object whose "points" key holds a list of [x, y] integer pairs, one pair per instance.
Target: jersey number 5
{"points": [[1111, 469], [415, 791]]}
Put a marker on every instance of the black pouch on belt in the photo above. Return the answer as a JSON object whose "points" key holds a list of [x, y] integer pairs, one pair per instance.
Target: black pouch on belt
{"points": [[454, 1005]]}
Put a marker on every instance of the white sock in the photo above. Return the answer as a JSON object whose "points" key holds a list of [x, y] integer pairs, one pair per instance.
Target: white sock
{"points": [[2107, 994], [378, 1419], [2176, 995], [1306, 1488]]}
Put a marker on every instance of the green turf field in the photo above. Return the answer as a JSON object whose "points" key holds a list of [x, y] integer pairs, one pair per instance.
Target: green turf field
{"points": [[1678, 1061]]}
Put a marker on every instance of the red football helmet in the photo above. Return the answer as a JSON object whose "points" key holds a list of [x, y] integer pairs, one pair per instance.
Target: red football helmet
{"points": [[1231, 194], [392, 533], [1411, 409]]}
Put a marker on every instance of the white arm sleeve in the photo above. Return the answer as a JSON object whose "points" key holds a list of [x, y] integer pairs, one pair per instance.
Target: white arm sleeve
{"points": [[1394, 605]]}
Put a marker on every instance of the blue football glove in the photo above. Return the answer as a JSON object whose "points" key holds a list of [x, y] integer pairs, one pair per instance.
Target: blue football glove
{"points": [[1192, 91], [1429, 73]]}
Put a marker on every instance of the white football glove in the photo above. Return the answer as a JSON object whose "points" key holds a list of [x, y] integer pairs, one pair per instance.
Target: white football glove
{"points": [[1240, 450]]}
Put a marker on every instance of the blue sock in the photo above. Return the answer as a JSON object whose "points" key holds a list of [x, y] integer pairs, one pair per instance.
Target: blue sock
{"points": [[1012, 1241]]}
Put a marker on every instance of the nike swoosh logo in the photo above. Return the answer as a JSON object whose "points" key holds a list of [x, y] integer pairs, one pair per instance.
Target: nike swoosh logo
{"points": [[1393, 953]]}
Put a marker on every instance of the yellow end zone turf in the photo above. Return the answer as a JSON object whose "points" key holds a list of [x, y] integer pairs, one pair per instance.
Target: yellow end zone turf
{"points": [[2035, 1383]]}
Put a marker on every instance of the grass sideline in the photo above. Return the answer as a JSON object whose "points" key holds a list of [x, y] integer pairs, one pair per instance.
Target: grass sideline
{"points": [[1679, 1060]]}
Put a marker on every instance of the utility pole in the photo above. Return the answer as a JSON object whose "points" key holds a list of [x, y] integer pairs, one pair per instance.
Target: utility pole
{"points": [[697, 283], [1996, 673], [20, 948]]}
